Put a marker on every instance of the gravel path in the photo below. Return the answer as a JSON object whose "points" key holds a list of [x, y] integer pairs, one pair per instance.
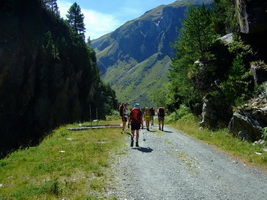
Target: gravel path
{"points": [[172, 165]]}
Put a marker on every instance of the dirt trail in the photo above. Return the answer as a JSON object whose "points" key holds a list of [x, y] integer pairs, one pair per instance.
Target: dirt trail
{"points": [[171, 165]]}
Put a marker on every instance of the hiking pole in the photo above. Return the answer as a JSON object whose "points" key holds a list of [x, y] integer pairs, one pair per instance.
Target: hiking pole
{"points": [[144, 139]]}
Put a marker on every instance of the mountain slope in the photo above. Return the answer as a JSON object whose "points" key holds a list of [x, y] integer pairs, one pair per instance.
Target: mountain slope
{"points": [[134, 59]]}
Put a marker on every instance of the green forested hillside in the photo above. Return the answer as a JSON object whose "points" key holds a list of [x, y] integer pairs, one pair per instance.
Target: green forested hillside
{"points": [[141, 82]]}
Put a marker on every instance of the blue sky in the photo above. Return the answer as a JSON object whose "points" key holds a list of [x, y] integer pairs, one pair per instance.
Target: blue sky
{"points": [[104, 16]]}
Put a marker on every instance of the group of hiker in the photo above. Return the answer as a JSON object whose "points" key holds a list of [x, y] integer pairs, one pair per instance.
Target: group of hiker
{"points": [[136, 118]]}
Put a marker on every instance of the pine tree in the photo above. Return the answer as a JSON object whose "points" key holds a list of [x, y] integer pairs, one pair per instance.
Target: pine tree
{"points": [[75, 19], [197, 33], [223, 15], [52, 6], [196, 37]]}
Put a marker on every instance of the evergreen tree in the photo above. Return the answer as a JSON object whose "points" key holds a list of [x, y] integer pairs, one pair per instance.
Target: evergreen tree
{"points": [[223, 16], [197, 34], [52, 6], [75, 19], [195, 38]]}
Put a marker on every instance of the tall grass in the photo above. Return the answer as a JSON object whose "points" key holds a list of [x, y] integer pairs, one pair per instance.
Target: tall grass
{"points": [[222, 139], [66, 165]]}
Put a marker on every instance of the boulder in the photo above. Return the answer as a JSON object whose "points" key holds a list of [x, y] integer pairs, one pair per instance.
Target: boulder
{"points": [[248, 122], [215, 114], [242, 122], [209, 117], [243, 135]]}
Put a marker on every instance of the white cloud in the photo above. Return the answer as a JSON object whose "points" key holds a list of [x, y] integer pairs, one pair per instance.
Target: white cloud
{"points": [[96, 23], [63, 7]]}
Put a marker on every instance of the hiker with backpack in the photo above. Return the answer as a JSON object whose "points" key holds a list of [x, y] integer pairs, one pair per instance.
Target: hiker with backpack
{"points": [[136, 121], [121, 109], [161, 115], [152, 114], [147, 117], [124, 116], [121, 114]]}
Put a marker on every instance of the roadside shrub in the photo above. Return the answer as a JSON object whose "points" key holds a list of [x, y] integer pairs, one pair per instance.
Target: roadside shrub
{"points": [[114, 115], [264, 133], [178, 114]]}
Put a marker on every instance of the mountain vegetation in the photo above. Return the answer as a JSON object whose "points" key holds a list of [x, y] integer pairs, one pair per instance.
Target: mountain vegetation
{"points": [[216, 70], [135, 58], [75, 19], [48, 74], [65, 165]]}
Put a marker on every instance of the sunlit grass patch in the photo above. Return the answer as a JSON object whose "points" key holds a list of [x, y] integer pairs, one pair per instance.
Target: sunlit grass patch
{"points": [[223, 140], [70, 165]]}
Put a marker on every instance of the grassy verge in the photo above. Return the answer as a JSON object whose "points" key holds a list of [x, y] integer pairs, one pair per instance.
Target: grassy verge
{"points": [[66, 165], [224, 141]]}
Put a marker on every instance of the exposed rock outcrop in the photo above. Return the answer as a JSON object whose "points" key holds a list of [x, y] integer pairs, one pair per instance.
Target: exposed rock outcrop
{"points": [[215, 115], [242, 16], [250, 119], [253, 24]]}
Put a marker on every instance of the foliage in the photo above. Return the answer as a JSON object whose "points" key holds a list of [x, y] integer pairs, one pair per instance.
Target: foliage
{"points": [[178, 114], [261, 90], [236, 88], [114, 115], [196, 35], [161, 97], [205, 65], [264, 133], [52, 6], [223, 16], [140, 81], [105, 100], [193, 44], [75, 19], [51, 71]]}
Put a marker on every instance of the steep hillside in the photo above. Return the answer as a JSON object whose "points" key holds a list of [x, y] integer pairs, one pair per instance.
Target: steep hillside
{"points": [[134, 59]]}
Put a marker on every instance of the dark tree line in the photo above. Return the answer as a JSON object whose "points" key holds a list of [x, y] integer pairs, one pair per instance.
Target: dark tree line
{"points": [[48, 74]]}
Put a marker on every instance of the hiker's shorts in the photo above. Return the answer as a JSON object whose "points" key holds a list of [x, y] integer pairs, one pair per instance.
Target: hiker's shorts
{"points": [[161, 119], [135, 126], [124, 119]]}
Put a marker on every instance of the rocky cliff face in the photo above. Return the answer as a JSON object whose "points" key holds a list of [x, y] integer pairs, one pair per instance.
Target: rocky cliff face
{"points": [[249, 121], [252, 17]]}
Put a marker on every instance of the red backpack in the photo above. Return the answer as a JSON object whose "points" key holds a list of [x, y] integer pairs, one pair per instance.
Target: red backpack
{"points": [[152, 111], [121, 110], [161, 112], [136, 115]]}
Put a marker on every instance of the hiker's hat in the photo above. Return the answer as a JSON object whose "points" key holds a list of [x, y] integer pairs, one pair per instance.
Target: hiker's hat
{"points": [[126, 104], [136, 105]]}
